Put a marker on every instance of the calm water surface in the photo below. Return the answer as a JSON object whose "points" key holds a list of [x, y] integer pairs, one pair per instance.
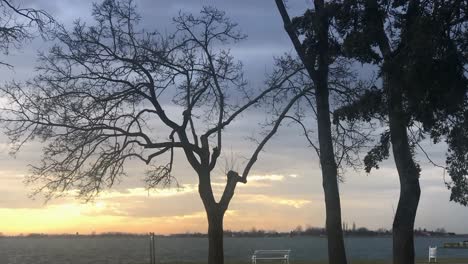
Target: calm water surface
{"points": [[102, 250]]}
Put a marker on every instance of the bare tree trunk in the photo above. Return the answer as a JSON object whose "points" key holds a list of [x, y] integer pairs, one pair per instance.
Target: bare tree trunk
{"points": [[215, 237], [215, 215], [336, 249], [403, 224]]}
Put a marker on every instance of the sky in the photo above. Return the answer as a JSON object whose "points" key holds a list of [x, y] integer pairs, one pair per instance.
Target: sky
{"points": [[284, 189]]}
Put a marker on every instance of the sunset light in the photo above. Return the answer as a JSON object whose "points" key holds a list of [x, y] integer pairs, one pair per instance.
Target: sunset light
{"points": [[233, 132]]}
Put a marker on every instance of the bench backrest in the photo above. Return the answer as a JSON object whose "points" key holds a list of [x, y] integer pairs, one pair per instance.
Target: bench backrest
{"points": [[432, 252], [271, 254]]}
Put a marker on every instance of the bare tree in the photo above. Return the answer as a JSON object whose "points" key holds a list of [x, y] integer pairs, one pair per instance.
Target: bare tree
{"points": [[102, 98], [316, 54], [17, 25]]}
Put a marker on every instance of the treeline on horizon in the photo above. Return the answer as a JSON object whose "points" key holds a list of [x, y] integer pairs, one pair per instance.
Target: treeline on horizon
{"points": [[254, 232]]}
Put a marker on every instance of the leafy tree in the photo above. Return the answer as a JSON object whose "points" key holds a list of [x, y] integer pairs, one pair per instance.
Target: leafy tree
{"points": [[420, 49], [109, 93]]}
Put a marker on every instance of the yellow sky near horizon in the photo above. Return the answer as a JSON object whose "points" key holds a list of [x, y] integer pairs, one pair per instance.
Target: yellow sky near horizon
{"points": [[268, 201], [137, 210]]}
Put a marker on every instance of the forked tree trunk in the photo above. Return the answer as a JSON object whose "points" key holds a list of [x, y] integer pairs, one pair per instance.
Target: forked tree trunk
{"points": [[403, 224], [215, 215]]}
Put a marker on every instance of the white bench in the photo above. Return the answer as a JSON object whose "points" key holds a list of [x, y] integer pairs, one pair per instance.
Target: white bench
{"points": [[432, 254], [282, 255]]}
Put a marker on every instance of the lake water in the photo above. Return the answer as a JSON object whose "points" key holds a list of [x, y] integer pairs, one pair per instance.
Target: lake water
{"points": [[135, 250]]}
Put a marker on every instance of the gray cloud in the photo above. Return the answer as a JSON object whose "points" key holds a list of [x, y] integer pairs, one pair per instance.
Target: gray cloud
{"points": [[367, 199]]}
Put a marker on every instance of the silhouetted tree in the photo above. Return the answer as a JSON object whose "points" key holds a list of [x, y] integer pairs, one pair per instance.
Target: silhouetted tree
{"points": [[317, 50], [17, 25], [109, 93], [420, 49]]}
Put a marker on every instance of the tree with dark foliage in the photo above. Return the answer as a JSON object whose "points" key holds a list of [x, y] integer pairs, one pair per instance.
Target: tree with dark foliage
{"points": [[420, 48], [102, 98]]}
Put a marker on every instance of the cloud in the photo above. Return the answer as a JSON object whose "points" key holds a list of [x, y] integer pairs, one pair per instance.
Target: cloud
{"points": [[285, 173], [256, 181], [270, 177], [196, 215], [267, 199], [143, 192]]}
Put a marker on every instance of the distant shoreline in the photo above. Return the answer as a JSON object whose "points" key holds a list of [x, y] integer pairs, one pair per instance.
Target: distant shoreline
{"points": [[200, 235], [297, 232]]}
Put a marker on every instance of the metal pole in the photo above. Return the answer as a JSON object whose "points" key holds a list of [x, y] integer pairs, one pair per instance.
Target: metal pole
{"points": [[150, 251], [154, 249], [152, 260]]}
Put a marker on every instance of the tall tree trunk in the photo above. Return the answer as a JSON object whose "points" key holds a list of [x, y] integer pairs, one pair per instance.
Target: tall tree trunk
{"points": [[336, 249], [403, 224]]}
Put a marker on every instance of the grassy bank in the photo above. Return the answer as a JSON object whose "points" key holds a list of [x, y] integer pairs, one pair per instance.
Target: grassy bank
{"points": [[420, 261]]}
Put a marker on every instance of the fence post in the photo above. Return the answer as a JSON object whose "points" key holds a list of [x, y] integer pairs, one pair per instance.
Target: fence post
{"points": [[152, 249]]}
